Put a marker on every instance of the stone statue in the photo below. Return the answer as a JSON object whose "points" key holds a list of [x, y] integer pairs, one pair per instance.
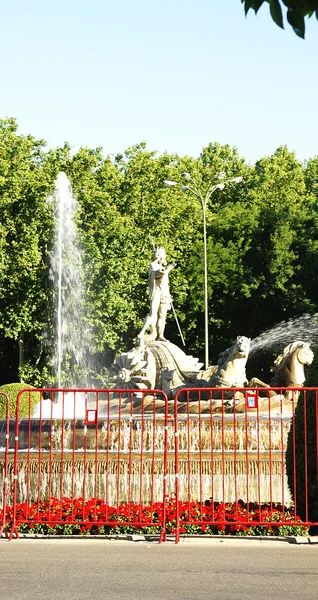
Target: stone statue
{"points": [[231, 371], [155, 366], [159, 298], [289, 369]]}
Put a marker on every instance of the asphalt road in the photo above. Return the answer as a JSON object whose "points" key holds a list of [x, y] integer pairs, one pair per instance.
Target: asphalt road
{"points": [[119, 570]]}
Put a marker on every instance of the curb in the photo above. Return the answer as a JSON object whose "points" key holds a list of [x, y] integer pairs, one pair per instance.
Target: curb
{"points": [[217, 539], [190, 539]]}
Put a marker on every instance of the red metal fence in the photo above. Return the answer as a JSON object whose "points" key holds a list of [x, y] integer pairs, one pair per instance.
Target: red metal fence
{"points": [[126, 461], [245, 458], [5, 462]]}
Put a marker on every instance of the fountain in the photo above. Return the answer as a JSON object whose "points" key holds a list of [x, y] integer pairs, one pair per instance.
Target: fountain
{"points": [[123, 458], [71, 358], [224, 451], [304, 327], [71, 355]]}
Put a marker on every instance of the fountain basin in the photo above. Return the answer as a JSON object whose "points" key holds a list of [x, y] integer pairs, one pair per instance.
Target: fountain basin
{"points": [[122, 460]]}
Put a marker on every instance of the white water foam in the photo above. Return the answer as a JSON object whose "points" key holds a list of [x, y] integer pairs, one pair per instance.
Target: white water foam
{"points": [[71, 353], [67, 407], [304, 328]]}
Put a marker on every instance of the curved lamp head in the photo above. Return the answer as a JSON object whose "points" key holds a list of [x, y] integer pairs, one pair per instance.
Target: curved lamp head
{"points": [[186, 176], [236, 180], [169, 184]]}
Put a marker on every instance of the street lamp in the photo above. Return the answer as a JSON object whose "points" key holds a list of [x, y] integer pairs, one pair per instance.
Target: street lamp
{"points": [[204, 198]]}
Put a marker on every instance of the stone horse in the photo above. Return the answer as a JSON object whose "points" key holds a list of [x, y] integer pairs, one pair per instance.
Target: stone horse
{"points": [[231, 365], [229, 372], [290, 365], [289, 369]]}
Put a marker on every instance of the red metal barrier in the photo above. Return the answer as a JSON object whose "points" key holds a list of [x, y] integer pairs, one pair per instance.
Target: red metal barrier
{"points": [[91, 459], [114, 461], [5, 463], [230, 457]]}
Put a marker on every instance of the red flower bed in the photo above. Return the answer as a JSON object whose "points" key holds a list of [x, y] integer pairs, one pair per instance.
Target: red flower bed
{"points": [[86, 517]]}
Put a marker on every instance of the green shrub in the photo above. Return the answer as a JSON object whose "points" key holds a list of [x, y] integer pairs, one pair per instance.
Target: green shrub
{"points": [[12, 389], [304, 459]]}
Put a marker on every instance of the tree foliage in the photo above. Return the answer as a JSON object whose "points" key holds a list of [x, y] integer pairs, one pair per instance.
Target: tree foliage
{"points": [[24, 232], [297, 11], [262, 246]]}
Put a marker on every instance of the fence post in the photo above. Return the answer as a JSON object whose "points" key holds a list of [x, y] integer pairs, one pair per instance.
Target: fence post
{"points": [[163, 533], [14, 528], [4, 527], [176, 469]]}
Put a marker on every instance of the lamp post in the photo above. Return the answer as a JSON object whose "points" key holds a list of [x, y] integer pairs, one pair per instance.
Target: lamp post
{"points": [[194, 189]]}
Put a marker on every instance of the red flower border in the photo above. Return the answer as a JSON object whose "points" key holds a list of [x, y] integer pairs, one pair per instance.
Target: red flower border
{"points": [[65, 516]]}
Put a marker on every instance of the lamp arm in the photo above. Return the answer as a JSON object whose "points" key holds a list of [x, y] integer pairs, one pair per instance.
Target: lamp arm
{"points": [[211, 190], [194, 191]]}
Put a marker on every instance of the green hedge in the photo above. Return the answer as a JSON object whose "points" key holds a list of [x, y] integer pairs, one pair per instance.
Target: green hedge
{"points": [[12, 389]]}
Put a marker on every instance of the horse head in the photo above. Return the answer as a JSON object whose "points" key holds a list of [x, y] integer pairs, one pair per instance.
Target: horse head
{"points": [[241, 347], [290, 363], [305, 354], [231, 364]]}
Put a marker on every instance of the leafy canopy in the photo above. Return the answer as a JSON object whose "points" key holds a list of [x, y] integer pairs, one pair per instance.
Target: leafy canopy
{"points": [[296, 12]]}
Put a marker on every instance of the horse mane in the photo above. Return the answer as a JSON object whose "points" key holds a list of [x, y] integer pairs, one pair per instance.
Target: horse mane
{"points": [[230, 371], [288, 350], [286, 373], [223, 356]]}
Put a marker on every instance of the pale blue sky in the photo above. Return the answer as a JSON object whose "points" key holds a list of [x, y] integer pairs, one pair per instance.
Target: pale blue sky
{"points": [[175, 73]]}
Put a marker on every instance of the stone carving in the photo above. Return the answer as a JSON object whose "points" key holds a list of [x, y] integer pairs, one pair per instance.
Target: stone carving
{"points": [[231, 371], [290, 365], [159, 365], [288, 372], [165, 366], [289, 369], [135, 369], [159, 298]]}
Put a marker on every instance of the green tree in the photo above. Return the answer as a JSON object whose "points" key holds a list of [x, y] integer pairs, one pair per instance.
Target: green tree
{"points": [[214, 158], [24, 230], [297, 11], [261, 234], [279, 194], [121, 206]]}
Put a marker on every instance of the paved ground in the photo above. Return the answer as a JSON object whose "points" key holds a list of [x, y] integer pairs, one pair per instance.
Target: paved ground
{"points": [[89, 568]]}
